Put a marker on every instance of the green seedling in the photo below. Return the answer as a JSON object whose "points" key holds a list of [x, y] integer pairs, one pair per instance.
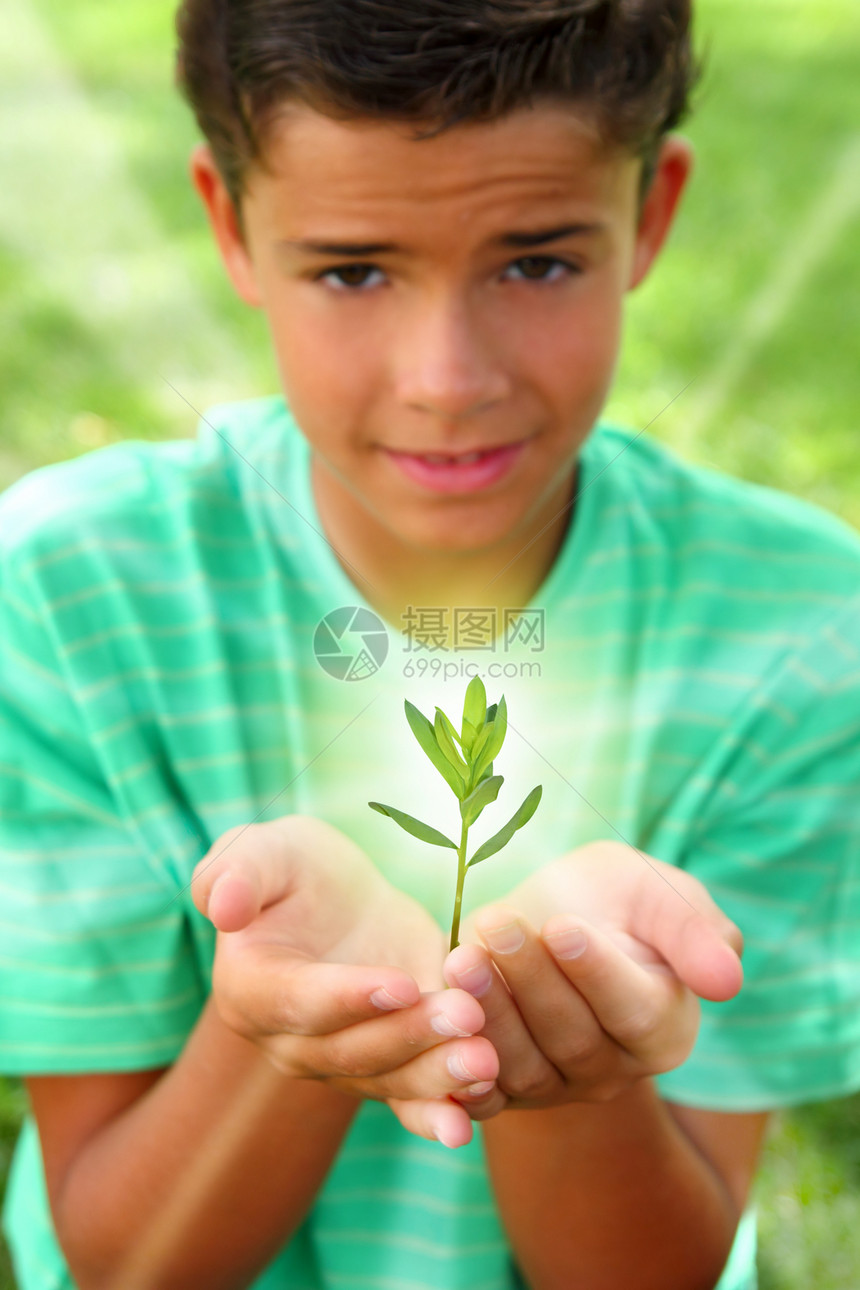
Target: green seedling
{"points": [[465, 762]]}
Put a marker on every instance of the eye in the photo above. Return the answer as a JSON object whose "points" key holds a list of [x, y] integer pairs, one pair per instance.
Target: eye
{"points": [[535, 268], [348, 277]]}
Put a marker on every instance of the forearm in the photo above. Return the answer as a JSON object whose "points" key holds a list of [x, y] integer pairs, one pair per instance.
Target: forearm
{"points": [[608, 1196], [206, 1176]]}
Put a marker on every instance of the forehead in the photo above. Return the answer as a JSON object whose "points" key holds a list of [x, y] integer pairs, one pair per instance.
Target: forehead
{"points": [[319, 168]]}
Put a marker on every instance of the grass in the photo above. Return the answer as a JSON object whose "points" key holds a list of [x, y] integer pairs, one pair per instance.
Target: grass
{"points": [[109, 283]]}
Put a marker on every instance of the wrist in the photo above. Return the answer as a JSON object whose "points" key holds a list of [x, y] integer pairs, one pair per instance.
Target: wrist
{"points": [[238, 1053], [571, 1180]]}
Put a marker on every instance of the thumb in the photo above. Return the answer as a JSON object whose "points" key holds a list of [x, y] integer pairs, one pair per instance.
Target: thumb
{"points": [[680, 919], [240, 874], [705, 953]]}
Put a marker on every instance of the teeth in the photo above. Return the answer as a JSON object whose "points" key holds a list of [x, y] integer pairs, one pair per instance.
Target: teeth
{"points": [[436, 460]]}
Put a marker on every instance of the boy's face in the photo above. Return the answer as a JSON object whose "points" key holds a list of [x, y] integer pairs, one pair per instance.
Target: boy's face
{"points": [[459, 327]]}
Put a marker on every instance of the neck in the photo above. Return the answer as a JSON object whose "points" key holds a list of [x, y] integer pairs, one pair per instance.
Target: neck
{"points": [[396, 578]]}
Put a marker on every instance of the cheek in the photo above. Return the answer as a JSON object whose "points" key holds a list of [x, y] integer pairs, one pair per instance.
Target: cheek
{"points": [[596, 329], [323, 357], [575, 358], [596, 347]]}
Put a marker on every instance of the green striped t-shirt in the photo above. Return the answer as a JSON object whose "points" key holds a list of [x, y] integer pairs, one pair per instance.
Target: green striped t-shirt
{"points": [[181, 651]]}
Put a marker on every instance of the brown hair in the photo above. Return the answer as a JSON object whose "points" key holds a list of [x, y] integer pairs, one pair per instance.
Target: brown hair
{"points": [[628, 63]]}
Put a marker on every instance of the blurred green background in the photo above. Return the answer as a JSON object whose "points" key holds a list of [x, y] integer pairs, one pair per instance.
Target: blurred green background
{"points": [[110, 287]]}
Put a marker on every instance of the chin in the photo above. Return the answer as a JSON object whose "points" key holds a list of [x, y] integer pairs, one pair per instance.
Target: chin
{"points": [[446, 536]]}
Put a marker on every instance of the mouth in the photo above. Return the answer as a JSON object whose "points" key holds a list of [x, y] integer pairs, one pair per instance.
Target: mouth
{"points": [[463, 472], [464, 458]]}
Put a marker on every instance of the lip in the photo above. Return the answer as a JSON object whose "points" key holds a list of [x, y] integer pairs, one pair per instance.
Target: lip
{"points": [[462, 452], [453, 477]]}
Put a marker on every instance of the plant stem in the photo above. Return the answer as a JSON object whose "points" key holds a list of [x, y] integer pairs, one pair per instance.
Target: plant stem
{"points": [[461, 875]]}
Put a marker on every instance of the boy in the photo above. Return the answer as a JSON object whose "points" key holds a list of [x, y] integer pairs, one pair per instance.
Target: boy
{"points": [[440, 208]]}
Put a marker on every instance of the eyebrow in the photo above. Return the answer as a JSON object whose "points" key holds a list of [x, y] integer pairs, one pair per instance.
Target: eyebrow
{"points": [[517, 239]]}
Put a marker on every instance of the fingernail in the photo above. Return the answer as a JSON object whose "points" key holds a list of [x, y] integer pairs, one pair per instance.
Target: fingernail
{"points": [[382, 999], [478, 1090], [568, 944], [459, 1070], [477, 980], [504, 940], [443, 1025]]}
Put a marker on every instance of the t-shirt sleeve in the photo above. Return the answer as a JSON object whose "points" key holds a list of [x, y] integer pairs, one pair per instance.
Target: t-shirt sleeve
{"points": [[777, 845], [97, 964]]}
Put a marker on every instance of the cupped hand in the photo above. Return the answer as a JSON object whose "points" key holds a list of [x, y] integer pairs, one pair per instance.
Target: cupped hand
{"points": [[584, 1024], [336, 975]]}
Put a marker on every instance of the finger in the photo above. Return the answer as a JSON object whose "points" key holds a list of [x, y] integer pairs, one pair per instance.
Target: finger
{"points": [[238, 874], [644, 1008], [567, 1037], [272, 989], [437, 1119], [481, 1105], [448, 1071], [252, 866], [387, 1050], [680, 919], [522, 1064], [390, 1068], [234, 898]]}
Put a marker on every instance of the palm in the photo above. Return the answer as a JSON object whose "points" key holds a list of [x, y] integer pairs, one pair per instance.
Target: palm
{"points": [[601, 882], [342, 910]]}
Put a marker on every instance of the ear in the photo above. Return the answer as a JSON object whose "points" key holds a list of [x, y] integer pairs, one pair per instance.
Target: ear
{"points": [[224, 221], [673, 169]]}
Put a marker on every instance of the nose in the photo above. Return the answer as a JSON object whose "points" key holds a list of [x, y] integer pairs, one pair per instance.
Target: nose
{"points": [[447, 361]]}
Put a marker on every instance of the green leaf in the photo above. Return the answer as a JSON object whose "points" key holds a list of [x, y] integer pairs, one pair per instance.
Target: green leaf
{"points": [[452, 733], [486, 792], [413, 826], [475, 705], [443, 739], [425, 733], [504, 835], [493, 746], [491, 713], [470, 734], [485, 775], [480, 744], [474, 755]]}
